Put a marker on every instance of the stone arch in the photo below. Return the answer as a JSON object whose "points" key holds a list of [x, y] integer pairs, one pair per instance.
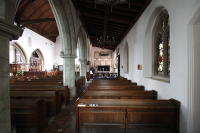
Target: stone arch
{"points": [[82, 43], [126, 58], [65, 23], [193, 73], [22, 52], [39, 53]]}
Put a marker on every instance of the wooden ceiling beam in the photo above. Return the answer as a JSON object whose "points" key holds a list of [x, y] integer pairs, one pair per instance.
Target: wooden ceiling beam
{"points": [[20, 13], [101, 8], [124, 13], [89, 5], [92, 20], [106, 12], [132, 3], [119, 19], [94, 26], [116, 27], [95, 32], [92, 14], [115, 30], [50, 34], [34, 21], [126, 8]]}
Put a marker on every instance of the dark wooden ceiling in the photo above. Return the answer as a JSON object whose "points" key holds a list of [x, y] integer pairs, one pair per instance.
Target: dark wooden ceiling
{"points": [[100, 21], [37, 16]]}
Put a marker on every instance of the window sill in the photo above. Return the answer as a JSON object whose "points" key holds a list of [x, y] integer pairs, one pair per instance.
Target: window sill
{"points": [[162, 79]]}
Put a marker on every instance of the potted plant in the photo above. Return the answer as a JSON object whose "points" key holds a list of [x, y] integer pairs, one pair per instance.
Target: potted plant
{"points": [[20, 73]]}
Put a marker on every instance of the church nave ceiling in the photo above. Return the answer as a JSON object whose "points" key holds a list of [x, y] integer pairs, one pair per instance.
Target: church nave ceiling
{"points": [[100, 21]]}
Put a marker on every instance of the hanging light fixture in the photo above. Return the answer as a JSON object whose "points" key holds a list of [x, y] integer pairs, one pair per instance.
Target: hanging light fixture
{"points": [[112, 3], [105, 42]]}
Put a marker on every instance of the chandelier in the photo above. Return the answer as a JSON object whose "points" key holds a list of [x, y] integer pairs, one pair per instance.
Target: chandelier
{"points": [[105, 42], [112, 3]]}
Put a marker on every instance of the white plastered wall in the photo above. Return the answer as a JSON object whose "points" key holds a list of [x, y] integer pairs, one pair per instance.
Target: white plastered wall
{"points": [[140, 48], [31, 41]]}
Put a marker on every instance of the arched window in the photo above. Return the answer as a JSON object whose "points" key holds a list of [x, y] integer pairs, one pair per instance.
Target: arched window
{"points": [[161, 46]]}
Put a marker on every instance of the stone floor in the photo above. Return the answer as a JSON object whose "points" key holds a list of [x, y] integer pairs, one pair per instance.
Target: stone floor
{"points": [[65, 122]]}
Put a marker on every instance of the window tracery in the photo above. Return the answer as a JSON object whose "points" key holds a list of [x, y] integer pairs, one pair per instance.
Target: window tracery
{"points": [[161, 46]]}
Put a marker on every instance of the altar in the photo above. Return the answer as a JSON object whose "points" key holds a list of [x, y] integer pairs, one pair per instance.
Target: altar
{"points": [[103, 69]]}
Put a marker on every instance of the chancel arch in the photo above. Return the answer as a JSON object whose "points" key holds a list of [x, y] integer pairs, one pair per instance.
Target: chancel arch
{"points": [[126, 58]]}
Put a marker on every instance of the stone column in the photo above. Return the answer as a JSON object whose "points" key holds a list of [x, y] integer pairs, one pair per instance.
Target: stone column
{"points": [[7, 32], [69, 73], [83, 68]]}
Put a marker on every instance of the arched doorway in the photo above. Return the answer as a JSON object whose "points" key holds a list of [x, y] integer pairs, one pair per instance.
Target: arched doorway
{"points": [[36, 61]]}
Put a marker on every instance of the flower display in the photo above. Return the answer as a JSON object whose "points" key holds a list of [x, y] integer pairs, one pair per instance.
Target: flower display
{"points": [[20, 73]]}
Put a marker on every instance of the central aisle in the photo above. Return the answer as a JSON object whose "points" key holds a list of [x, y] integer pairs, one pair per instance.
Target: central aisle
{"points": [[65, 122]]}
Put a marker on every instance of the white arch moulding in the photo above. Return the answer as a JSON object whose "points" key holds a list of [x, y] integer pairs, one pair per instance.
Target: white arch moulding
{"points": [[82, 43], [193, 100]]}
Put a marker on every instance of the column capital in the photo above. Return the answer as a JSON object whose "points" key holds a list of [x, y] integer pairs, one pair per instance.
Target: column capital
{"points": [[82, 60], [68, 56], [10, 31]]}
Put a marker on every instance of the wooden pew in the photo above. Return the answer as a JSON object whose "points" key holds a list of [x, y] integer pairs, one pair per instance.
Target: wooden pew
{"points": [[129, 94], [53, 98], [128, 113], [95, 80], [112, 83], [109, 88], [63, 90], [32, 83], [29, 113], [121, 78]]}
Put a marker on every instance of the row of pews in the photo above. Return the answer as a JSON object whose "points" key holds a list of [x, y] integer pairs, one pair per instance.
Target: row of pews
{"points": [[123, 104], [34, 99]]}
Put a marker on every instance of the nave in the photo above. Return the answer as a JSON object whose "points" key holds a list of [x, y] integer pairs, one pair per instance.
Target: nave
{"points": [[65, 121]]}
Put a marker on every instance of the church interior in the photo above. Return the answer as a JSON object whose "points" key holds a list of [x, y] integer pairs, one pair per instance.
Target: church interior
{"points": [[99, 66]]}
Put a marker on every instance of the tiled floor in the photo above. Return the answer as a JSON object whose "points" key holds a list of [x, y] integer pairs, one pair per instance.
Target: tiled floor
{"points": [[65, 122]]}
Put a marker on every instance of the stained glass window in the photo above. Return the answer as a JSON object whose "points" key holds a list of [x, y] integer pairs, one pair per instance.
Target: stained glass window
{"points": [[160, 54], [162, 46], [168, 54]]}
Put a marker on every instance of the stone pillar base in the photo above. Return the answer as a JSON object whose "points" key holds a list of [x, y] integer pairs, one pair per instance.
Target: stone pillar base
{"points": [[72, 91]]}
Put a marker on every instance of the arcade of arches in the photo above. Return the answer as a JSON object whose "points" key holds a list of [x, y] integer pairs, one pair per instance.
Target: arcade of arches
{"points": [[164, 40]]}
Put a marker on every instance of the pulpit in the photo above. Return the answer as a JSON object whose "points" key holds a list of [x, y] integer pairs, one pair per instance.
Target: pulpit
{"points": [[14, 68]]}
